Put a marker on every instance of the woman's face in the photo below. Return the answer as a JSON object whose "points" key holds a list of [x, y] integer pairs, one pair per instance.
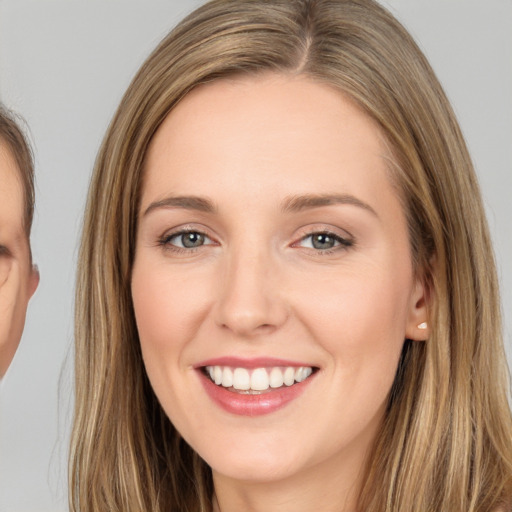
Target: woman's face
{"points": [[18, 280], [272, 253]]}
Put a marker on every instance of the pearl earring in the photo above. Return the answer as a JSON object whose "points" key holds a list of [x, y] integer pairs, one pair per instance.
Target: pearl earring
{"points": [[423, 325]]}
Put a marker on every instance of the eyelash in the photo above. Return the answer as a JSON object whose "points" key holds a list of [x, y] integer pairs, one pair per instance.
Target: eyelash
{"points": [[341, 243], [165, 241]]}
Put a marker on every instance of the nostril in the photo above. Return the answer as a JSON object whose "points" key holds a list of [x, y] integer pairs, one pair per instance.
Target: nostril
{"points": [[248, 329]]}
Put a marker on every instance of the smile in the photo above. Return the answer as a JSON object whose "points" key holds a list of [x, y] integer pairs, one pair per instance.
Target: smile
{"points": [[257, 380], [254, 387]]}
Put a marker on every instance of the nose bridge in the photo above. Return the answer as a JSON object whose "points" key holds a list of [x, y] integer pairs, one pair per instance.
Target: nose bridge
{"points": [[250, 301]]}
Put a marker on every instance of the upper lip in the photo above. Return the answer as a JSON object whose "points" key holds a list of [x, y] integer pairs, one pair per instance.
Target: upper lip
{"points": [[250, 363]]}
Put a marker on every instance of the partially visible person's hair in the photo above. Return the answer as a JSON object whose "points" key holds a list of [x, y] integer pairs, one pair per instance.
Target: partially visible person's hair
{"points": [[11, 135], [445, 444]]}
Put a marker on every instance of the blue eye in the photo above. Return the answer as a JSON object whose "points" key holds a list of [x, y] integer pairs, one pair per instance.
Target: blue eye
{"points": [[324, 241], [186, 240]]}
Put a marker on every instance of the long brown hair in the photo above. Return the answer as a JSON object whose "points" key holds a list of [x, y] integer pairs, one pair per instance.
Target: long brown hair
{"points": [[445, 443]]}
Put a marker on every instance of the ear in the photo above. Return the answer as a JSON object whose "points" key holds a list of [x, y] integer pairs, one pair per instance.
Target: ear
{"points": [[417, 328], [33, 281]]}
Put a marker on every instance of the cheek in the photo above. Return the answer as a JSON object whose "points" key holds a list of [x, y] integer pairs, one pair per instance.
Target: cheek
{"points": [[360, 318], [5, 266], [168, 308]]}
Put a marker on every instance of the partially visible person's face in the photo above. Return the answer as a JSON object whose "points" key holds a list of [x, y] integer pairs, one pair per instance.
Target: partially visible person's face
{"points": [[273, 285], [18, 280]]}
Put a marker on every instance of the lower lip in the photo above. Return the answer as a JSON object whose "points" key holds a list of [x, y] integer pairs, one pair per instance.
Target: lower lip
{"points": [[253, 405]]}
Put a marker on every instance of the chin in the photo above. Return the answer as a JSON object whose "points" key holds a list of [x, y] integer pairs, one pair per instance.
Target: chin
{"points": [[261, 461], [258, 470]]}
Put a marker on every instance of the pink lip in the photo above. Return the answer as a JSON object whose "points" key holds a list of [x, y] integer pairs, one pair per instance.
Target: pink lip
{"points": [[246, 404]]}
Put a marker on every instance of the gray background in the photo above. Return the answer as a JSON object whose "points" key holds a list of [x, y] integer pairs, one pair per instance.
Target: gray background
{"points": [[64, 65]]}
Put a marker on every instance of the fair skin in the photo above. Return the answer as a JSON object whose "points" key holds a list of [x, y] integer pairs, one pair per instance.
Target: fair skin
{"points": [[18, 278], [295, 254]]}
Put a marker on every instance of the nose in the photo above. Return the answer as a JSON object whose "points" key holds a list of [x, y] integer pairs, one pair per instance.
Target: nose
{"points": [[251, 301]]}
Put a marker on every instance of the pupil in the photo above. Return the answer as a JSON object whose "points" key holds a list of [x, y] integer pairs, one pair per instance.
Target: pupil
{"points": [[192, 240], [323, 241]]}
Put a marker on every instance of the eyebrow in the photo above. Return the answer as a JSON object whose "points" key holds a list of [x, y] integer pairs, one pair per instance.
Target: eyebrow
{"points": [[290, 205], [309, 201], [186, 202]]}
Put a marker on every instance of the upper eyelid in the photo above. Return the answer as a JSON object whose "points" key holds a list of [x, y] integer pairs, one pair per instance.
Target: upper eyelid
{"points": [[328, 233], [187, 231], [304, 232], [328, 229], [187, 228], [343, 241], [182, 230]]}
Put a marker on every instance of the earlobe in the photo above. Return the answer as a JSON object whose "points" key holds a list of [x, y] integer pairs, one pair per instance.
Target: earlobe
{"points": [[422, 332], [418, 328]]}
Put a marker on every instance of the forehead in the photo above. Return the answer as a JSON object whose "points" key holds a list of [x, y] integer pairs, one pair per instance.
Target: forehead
{"points": [[278, 131], [11, 194], [278, 108]]}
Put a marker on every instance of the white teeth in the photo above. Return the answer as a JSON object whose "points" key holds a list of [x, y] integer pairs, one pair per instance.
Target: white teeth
{"points": [[241, 379], [302, 373], [259, 379], [289, 376], [217, 375], [227, 378], [276, 378]]}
